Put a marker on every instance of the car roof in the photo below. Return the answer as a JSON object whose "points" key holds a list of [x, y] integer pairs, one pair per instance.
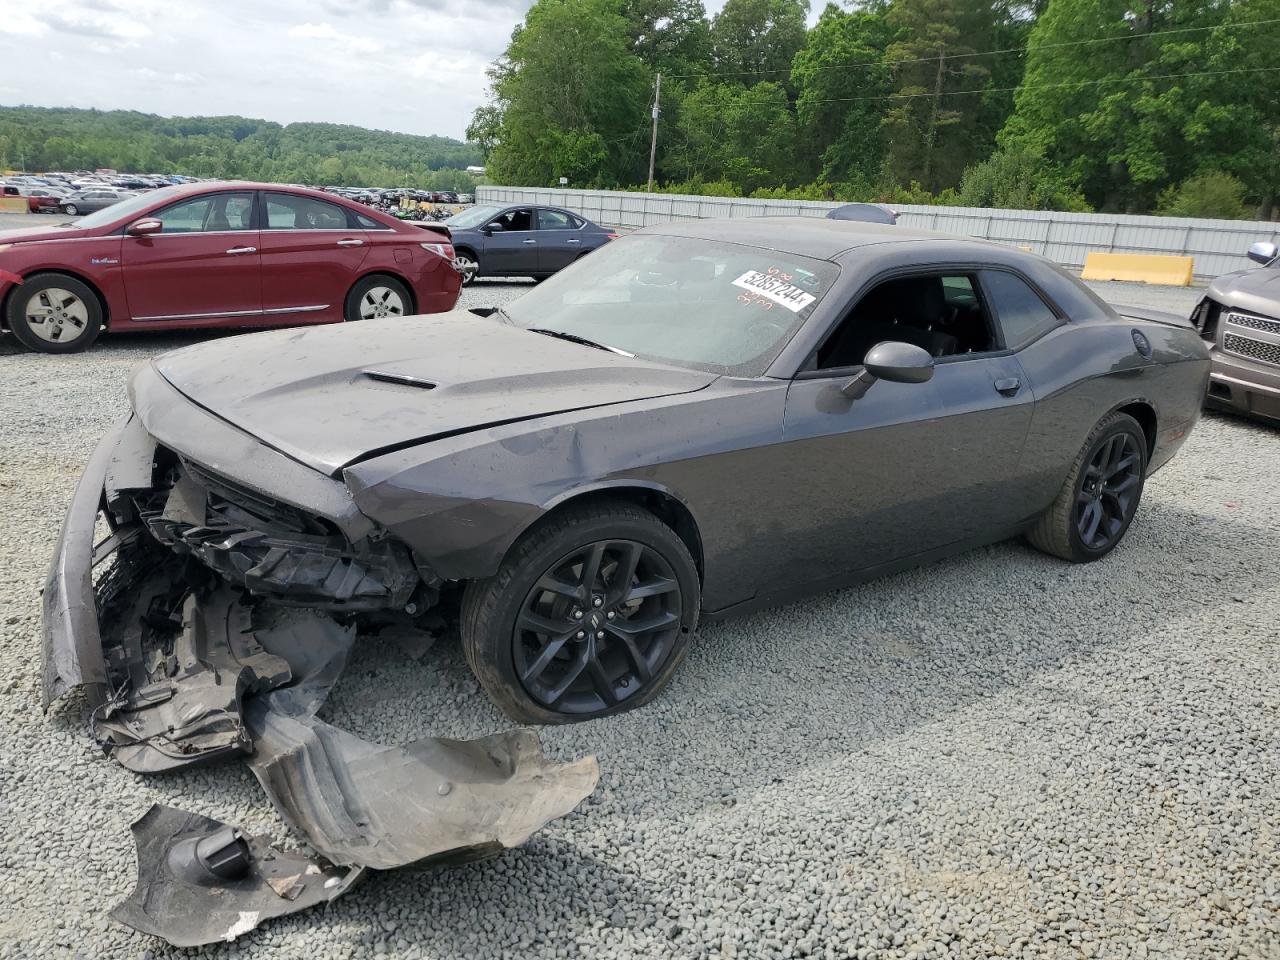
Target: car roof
{"points": [[815, 237]]}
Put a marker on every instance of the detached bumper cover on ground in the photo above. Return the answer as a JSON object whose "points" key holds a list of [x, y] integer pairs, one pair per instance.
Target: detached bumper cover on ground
{"points": [[179, 667]]}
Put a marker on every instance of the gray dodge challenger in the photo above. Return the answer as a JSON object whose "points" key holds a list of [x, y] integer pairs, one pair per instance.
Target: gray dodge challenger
{"points": [[702, 419], [698, 420]]}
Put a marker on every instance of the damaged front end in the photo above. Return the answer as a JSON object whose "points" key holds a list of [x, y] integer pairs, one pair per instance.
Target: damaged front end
{"points": [[206, 619]]}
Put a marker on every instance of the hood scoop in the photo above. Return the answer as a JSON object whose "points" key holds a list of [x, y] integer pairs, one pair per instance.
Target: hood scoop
{"points": [[404, 379]]}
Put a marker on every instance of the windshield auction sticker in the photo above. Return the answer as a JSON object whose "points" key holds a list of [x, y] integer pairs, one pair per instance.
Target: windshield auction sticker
{"points": [[774, 286]]}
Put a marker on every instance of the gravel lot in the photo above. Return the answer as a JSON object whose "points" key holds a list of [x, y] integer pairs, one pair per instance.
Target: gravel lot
{"points": [[998, 756]]}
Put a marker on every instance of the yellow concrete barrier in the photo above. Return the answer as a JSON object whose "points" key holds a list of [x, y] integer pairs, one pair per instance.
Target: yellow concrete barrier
{"points": [[1174, 271], [14, 205]]}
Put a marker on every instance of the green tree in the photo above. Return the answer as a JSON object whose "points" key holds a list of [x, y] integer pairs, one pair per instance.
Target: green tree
{"points": [[1017, 179], [1207, 195], [1130, 117], [572, 97], [744, 136], [838, 74], [755, 40], [670, 36], [932, 127]]}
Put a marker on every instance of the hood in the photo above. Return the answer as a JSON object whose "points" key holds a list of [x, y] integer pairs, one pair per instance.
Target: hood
{"points": [[1257, 291], [329, 396], [51, 232]]}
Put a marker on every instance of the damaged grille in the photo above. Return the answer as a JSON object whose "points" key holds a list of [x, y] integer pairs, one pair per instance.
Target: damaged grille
{"points": [[272, 548]]}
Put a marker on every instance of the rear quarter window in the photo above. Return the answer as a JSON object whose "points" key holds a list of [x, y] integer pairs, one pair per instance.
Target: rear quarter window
{"points": [[1022, 314]]}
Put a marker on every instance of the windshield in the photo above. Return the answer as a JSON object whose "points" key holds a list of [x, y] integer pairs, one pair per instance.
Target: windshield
{"points": [[475, 217], [124, 208], [710, 305]]}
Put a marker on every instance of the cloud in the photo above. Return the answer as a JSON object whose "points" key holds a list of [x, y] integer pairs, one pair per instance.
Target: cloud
{"points": [[417, 66], [87, 24]]}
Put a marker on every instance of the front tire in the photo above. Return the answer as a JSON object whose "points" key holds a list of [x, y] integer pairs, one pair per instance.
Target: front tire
{"points": [[55, 313], [376, 297], [589, 615], [1100, 496], [70, 209]]}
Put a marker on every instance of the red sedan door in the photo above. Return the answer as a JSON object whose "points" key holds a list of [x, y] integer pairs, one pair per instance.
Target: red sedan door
{"points": [[202, 266], [311, 254]]}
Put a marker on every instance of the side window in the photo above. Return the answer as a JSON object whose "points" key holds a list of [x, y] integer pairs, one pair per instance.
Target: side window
{"points": [[368, 223], [555, 220], [943, 314], [1022, 315], [286, 211], [215, 212], [515, 220]]}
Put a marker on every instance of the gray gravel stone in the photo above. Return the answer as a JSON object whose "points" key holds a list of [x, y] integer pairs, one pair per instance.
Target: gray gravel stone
{"points": [[1000, 755]]}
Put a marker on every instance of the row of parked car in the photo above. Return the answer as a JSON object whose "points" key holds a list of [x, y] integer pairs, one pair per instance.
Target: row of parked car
{"points": [[395, 196], [73, 194], [235, 254]]}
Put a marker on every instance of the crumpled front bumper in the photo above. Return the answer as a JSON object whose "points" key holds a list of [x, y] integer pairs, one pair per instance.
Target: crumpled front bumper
{"points": [[181, 666], [72, 644]]}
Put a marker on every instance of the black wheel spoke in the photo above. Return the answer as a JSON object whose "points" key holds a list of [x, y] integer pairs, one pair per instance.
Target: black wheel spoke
{"points": [[651, 588], [1124, 465], [591, 566], [539, 623], [637, 626], [638, 663], [539, 666], [574, 671], [1089, 521], [625, 572], [601, 681], [553, 584]]}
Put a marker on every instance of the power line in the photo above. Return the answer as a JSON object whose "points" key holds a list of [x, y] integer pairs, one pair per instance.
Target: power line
{"points": [[1035, 86], [985, 53]]}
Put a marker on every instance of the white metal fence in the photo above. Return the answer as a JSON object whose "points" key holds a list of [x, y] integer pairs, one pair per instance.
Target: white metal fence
{"points": [[1217, 246]]}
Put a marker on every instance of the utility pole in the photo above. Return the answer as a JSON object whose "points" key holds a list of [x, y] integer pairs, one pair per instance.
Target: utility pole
{"points": [[933, 118], [653, 141]]}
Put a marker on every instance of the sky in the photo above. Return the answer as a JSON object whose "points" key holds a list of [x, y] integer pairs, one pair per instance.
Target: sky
{"points": [[413, 66]]}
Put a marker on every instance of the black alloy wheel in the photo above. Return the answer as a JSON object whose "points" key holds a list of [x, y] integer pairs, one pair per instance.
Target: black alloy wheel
{"points": [[1108, 490], [1100, 495], [597, 627], [590, 614]]}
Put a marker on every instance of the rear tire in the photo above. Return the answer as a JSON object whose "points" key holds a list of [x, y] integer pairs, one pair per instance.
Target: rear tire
{"points": [[1100, 496], [608, 645], [376, 297], [468, 266], [54, 313]]}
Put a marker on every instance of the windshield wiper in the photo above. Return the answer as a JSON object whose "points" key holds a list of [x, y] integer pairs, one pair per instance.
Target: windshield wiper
{"points": [[574, 338]]}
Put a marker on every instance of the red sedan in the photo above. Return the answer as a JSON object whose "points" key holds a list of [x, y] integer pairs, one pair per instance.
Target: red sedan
{"points": [[218, 255]]}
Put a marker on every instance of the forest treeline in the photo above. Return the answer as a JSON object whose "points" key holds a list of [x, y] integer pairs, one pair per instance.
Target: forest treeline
{"points": [[38, 138], [1164, 106]]}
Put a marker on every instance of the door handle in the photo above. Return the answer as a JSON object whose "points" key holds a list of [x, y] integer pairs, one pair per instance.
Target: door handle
{"points": [[351, 243], [237, 250], [528, 241], [1008, 386], [573, 240]]}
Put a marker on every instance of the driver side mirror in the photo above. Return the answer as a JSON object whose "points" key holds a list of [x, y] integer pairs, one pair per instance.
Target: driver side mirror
{"points": [[894, 361], [1263, 252], [489, 229], [144, 228]]}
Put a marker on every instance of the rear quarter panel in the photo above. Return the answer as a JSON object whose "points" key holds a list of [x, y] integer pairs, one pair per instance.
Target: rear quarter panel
{"points": [[1081, 372]]}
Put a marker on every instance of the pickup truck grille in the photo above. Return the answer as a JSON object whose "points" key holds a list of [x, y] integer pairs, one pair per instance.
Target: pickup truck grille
{"points": [[1254, 323], [1253, 349]]}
